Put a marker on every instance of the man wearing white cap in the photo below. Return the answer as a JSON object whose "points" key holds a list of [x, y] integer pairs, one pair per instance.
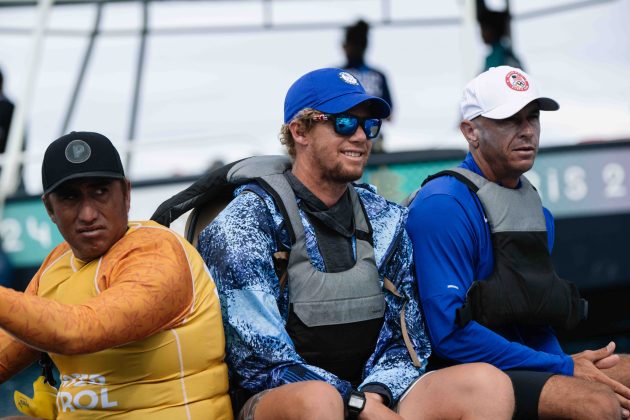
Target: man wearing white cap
{"points": [[481, 243]]}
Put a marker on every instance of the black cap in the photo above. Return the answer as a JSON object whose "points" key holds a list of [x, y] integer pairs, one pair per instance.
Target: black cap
{"points": [[80, 154]]}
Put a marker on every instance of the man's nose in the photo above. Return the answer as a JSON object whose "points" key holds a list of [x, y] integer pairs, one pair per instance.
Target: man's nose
{"points": [[527, 128], [359, 135], [88, 212]]}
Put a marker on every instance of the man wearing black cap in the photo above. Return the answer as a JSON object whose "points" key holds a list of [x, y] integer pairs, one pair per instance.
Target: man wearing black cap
{"points": [[126, 310], [482, 244], [343, 336]]}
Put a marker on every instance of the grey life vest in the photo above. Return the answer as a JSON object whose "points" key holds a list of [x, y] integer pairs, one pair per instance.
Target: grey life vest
{"points": [[319, 298], [524, 287], [334, 318]]}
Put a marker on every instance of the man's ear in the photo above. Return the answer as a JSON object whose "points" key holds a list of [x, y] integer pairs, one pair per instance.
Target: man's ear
{"points": [[49, 209], [298, 131], [470, 132]]}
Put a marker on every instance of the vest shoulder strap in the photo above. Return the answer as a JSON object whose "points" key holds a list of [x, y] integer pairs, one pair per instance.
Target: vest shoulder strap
{"points": [[389, 285], [281, 263], [471, 179], [279, 188], [467, 177], [213, 191], [210, 194]]}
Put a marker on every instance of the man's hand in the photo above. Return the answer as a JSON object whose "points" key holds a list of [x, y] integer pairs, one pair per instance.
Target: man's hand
{"points": [[587, 365], [376, 410]]}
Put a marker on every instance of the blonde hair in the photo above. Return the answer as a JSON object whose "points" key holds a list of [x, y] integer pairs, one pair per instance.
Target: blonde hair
{"points": [[304, 117]]}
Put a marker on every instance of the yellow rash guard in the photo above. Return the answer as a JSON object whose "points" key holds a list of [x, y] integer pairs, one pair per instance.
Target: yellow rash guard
{"points": [[135, 333]]}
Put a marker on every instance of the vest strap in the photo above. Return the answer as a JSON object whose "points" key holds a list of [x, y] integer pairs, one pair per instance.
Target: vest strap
{"points": [[387, 283], [456, 173], [280, 263], [389, 286]]}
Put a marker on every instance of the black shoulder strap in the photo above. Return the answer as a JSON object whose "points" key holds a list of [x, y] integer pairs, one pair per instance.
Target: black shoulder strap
{"points": [[455, 174], [218, 183], [206, 188]]}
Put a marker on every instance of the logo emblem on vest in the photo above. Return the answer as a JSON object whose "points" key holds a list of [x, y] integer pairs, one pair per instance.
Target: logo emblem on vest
{"points": [[348, 78], [516, 81], [78, 151]]}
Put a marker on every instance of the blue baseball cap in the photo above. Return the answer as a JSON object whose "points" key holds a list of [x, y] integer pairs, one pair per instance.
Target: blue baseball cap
{"points": [[331, 91]]}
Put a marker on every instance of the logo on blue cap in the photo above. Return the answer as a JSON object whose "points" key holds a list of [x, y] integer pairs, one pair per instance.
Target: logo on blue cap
{"points": [[348, 78]]}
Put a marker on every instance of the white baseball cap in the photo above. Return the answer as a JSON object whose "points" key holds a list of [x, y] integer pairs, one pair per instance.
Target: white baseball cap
{"points": [[501, 92]]}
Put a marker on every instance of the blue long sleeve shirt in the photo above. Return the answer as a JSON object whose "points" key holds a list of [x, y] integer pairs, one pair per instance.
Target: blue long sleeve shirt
{"points": [[238, 247], [452, 248]]}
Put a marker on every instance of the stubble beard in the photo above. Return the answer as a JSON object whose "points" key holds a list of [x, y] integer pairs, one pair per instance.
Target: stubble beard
{"points": [[335, 171], [340, 175]]}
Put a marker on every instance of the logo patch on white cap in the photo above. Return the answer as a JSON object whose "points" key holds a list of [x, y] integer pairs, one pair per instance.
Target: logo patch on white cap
{"points": [[516, 81], [348, 78], [78, 151]]}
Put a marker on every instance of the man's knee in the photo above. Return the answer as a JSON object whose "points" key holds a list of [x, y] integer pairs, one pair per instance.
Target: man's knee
{"points": [[471, 391], [485, 379], [318, 397], [299, 400]]}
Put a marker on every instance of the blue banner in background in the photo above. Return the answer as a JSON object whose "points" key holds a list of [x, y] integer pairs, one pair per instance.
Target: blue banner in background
{"points": [[395, 181], [583, 182], [573, 181]]}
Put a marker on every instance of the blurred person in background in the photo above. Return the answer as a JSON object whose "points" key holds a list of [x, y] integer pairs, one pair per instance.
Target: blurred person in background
{"points": [[6, 115], [373, 80], [495, 26]]}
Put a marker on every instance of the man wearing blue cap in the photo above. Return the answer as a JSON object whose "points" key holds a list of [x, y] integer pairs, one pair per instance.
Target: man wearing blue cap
{"points": [[337, 332]]}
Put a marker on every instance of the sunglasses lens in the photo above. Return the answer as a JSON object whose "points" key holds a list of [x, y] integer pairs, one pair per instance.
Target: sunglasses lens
{"points": [[346, 125], [372, 127]]}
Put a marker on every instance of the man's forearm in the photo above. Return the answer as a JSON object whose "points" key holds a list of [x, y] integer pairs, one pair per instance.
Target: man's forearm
{"points": [[14, 356], [100, 323], [42, 323]]}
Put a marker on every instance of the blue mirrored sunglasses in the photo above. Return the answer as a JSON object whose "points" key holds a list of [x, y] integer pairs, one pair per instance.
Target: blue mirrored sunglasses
{"points": [[346, 125]]}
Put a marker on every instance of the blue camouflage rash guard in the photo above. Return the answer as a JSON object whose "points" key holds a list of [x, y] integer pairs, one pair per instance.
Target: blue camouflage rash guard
{"points": [[238, 247]]}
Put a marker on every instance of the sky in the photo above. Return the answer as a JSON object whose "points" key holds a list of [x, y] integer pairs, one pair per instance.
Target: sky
{"points": [[217, 94]]}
